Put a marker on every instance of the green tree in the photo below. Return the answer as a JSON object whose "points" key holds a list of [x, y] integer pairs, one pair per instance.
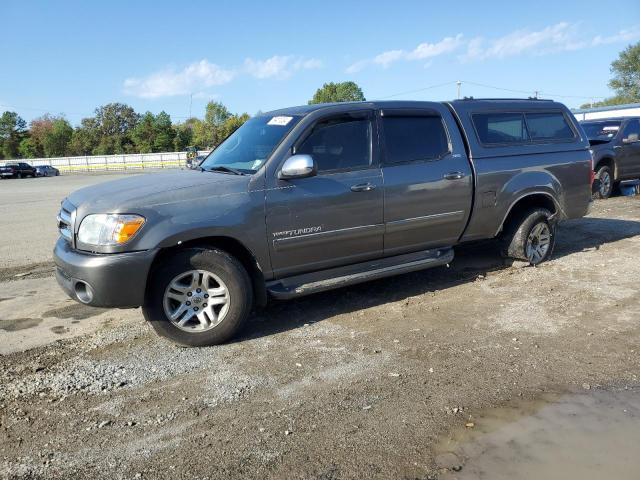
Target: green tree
{"points": [[184, 134], [338, 92], [216, 114], [626, 78], [143, 134], [85, 138], [164, 132], [12, 131], [56, 141], [115, 122], [28, 148], [626, 74]]}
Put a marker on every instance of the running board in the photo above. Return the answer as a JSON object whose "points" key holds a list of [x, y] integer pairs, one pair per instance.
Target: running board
{"points": [[308, 283]]}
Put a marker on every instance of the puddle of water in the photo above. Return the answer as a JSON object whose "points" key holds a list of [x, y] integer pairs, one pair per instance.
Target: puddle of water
{"points": [[76, 311], [59, 329], [19, 324], [588, 436]]}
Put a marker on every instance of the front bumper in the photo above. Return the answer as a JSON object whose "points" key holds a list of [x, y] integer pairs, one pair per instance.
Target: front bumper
{"points": [[115, 280]]}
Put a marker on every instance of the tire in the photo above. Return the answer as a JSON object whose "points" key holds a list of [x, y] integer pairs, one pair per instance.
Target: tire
{"points": [[604, 184], [220, 271], [18, 175], [530, 237]]}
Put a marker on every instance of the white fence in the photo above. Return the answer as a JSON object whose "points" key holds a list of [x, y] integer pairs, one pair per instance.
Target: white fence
{"points": [[124, 162]]}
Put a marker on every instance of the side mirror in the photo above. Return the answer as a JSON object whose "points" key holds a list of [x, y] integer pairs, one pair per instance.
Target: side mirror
{"points": [[298, 166], [632, 138]]}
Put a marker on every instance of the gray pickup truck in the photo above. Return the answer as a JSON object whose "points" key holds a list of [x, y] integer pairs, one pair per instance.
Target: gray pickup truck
{"points": [[311, 198], [615, 145]]}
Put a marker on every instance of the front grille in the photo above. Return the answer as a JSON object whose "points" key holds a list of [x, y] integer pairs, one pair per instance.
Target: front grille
{"points": [[65, 221]]}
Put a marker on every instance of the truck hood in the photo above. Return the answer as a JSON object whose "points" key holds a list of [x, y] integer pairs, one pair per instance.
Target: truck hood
{"points": [[150, 190]]}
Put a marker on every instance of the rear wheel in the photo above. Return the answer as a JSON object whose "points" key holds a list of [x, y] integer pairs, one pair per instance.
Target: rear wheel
{"points": [[604, 182], [530, 237], [199, 297]]}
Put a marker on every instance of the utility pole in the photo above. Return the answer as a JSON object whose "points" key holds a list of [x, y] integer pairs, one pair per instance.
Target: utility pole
{"points": [[458, 83], [535, 94]]}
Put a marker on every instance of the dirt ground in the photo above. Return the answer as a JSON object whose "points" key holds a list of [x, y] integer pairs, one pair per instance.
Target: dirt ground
{"points": [[361, 382]]}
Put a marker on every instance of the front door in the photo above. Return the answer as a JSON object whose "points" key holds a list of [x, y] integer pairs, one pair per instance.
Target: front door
{"points": [[335, 217], [427, 178], [629, 152]]}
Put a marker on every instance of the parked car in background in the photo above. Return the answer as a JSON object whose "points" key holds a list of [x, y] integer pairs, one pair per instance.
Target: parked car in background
{"points": [[46, 171], [311, 198], [17, 170], [615, 146]]}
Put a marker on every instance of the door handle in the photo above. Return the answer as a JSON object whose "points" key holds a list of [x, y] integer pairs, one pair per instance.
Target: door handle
{"points": [[363, 187], [453, 176]]}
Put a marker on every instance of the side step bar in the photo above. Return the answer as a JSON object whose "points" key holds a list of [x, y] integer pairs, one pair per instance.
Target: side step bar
{"points": [[308, 283]]}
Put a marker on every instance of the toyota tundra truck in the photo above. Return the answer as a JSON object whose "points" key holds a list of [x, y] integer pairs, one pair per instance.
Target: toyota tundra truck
{"points": [[312, 198]]}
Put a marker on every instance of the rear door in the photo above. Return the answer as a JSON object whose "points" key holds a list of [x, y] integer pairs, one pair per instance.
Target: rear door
{"points": [[428, 180], [628, 153], [335, 217]]}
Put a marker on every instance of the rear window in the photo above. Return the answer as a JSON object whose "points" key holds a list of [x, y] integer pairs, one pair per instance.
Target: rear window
{"points": [[549, 126], [409, 139], [500, 128], [520, 127]]}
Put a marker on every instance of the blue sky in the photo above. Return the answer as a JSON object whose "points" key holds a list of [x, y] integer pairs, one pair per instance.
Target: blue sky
{"points": [[70, 57]]}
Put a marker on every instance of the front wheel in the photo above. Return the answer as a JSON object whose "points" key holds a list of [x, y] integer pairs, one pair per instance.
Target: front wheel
{"points": [[198, 297], [530, 237]]}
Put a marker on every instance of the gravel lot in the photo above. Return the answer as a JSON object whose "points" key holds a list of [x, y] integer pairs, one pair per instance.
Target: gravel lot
{"points": [[362, 382]]}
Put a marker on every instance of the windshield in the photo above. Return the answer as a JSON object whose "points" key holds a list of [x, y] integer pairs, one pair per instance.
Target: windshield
{"points": [[246, 149], [601, 131]]}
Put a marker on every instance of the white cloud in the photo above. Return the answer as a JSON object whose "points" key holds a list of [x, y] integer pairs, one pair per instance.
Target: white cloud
{"points": [[357, 66], [387, 58], [279, 66], [421, 52], [430, 50], [622, 36], [560, 37], [170, 82], [203, 74]]}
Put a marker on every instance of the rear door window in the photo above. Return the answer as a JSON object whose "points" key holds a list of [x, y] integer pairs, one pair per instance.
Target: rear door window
{"points": [[500, 128], [631, 132], [549, 126], [414, 138]]}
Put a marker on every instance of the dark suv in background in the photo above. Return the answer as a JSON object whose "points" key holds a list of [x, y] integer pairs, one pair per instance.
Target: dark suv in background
{"points": [[615, 146], [17, 170]]}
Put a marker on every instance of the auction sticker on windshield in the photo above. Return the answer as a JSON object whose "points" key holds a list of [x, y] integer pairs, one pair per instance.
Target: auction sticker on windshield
{"points": [[281, 121]]}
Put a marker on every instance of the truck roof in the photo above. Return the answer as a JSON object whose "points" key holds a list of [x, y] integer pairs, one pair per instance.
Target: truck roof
{"points": [[500, 103]]}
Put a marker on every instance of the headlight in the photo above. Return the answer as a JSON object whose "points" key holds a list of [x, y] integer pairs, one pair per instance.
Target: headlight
{"points": [[108, 229]]}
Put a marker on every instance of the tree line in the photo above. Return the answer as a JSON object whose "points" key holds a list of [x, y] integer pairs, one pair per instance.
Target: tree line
{"points": [[116, 128]]}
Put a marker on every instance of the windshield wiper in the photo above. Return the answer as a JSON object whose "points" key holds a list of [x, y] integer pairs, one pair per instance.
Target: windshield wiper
{"points": [[223, 169]]}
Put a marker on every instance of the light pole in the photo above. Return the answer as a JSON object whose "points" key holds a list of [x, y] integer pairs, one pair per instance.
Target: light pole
{"points": [[458, 83]]}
